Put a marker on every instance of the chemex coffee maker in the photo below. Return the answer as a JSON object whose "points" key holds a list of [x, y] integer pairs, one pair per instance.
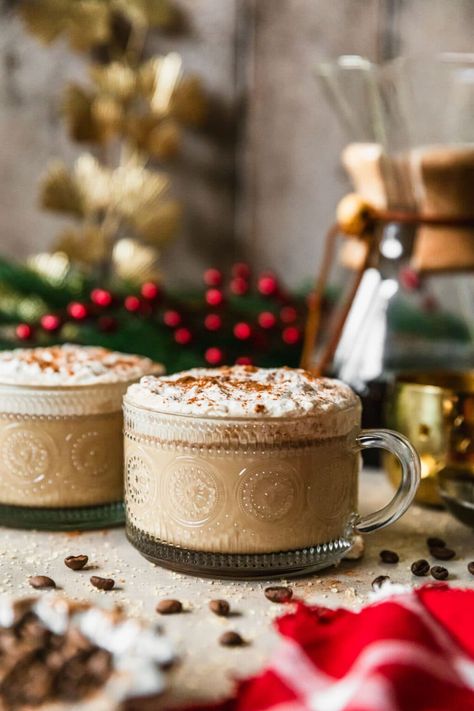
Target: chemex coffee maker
{"points": [[405, 241]]}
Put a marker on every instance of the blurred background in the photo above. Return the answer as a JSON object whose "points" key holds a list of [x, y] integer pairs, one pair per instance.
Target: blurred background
{"points": [[260, 179]]}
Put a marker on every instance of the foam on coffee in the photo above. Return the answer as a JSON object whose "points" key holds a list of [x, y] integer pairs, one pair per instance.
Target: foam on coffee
{"points": [[70, 364], [246, 392]]}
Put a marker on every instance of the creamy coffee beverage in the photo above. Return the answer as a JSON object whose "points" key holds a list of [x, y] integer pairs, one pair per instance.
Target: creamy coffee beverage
{"points": [[241, 460], [244, 471], [61, 430]]}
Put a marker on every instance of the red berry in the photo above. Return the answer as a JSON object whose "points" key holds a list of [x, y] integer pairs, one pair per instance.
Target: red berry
{"points": [[241, 269], [243, 360], [132, 303], [150, 290], [410, 279], [24, 331], [267, 285], [242, 331], [288, 314], [213, 277], [214, 356], [50, 322], [101, 297], [213, 322], [77, 310], [214, 297], [291, 335], [266, 319], [171, 318], [239, 286], [107, 324], [182, 336]]}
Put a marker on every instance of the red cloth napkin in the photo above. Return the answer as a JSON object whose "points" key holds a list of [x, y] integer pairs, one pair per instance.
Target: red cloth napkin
{"points": [[410, 651]]}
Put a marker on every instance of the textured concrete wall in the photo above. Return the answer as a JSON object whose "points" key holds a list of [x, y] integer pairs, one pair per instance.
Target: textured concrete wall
{"points": [[264, 180]]}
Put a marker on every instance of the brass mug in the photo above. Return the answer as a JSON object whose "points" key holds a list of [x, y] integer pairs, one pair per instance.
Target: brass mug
{"points": [[435, 411]]}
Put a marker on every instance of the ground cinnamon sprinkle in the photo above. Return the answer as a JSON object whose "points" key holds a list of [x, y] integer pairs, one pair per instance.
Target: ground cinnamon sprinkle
{"points": [[242, 391]]}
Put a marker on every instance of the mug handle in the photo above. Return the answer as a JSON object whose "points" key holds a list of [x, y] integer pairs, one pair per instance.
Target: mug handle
{"points": [[396, 444]]}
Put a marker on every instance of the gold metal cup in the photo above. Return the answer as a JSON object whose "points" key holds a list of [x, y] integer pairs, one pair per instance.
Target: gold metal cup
{"points": [[436, 412]]}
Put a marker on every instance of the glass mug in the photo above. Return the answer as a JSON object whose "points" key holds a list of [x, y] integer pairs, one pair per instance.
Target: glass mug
{"points": [[61, 463], [250, 497]]}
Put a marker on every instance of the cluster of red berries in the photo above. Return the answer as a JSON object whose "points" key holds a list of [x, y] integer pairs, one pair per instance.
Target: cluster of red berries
{"points": [[239, 286], [219, 315], [99, 300]]}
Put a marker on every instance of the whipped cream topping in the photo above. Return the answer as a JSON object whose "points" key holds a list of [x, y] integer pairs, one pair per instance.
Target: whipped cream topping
{"points": [[71, 365], [242, 391]]}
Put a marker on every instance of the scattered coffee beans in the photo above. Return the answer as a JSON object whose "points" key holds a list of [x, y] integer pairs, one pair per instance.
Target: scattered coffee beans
{"points": [[434, 542], [420, 567], [442, 553], [76, 562], [41, 582], [231, 639], [389, 557], [278, 593], [470, 567], [379, 581], [102, 583], [439, 573], [221, 608], [169, 607]]}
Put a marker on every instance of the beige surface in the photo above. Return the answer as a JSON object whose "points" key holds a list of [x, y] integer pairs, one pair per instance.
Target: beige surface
{"points": [[206, 668]]}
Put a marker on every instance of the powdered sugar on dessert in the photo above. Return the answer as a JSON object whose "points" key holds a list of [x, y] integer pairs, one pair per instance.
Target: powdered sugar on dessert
{"points": [[71, 365], [242, 391]]}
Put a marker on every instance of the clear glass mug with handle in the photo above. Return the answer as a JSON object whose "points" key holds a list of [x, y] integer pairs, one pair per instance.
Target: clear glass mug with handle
{"points": [[252, 497]]}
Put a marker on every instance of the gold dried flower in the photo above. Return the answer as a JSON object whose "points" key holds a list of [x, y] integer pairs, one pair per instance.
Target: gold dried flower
{"points": [[116, 79], [59, 191], [77, 109], [87, 245], [159, 223], [164, 140], [135, 262]]}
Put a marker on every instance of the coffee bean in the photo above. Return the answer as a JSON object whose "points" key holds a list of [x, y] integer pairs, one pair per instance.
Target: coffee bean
{"points": [[439, 573], [278, 593], [470, 567], [389, 557], [221, 608], [102, 583], [169, 607], [41, 582], [442, 553], [420, 567], [231, 639], [379, 581], [434, 542], [76, 562]]}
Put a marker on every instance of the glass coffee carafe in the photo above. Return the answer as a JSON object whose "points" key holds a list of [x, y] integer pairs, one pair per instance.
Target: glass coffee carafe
{"points": [[410, 156]]}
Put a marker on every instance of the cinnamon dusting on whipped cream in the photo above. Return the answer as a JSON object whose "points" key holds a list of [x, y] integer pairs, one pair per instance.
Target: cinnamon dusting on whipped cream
{"points": [[242, 391], [71, 365]]}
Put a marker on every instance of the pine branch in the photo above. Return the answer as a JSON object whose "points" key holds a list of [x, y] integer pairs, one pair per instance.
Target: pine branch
{"points": [[24, 281]]}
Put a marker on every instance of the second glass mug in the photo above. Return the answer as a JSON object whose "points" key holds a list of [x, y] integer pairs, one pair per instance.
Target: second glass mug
{"points": [[249, 497]]}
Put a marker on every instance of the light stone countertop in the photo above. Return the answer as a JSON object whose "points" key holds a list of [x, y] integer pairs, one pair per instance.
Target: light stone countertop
{"points": [[206, 669]]}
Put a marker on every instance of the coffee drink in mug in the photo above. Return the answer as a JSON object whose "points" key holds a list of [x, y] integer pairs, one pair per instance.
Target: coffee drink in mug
{"points": [[61, 452], [246, 472]]}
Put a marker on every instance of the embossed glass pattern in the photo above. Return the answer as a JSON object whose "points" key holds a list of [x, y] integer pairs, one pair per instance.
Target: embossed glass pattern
{"points": [[248, 497], [61, 455]]}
